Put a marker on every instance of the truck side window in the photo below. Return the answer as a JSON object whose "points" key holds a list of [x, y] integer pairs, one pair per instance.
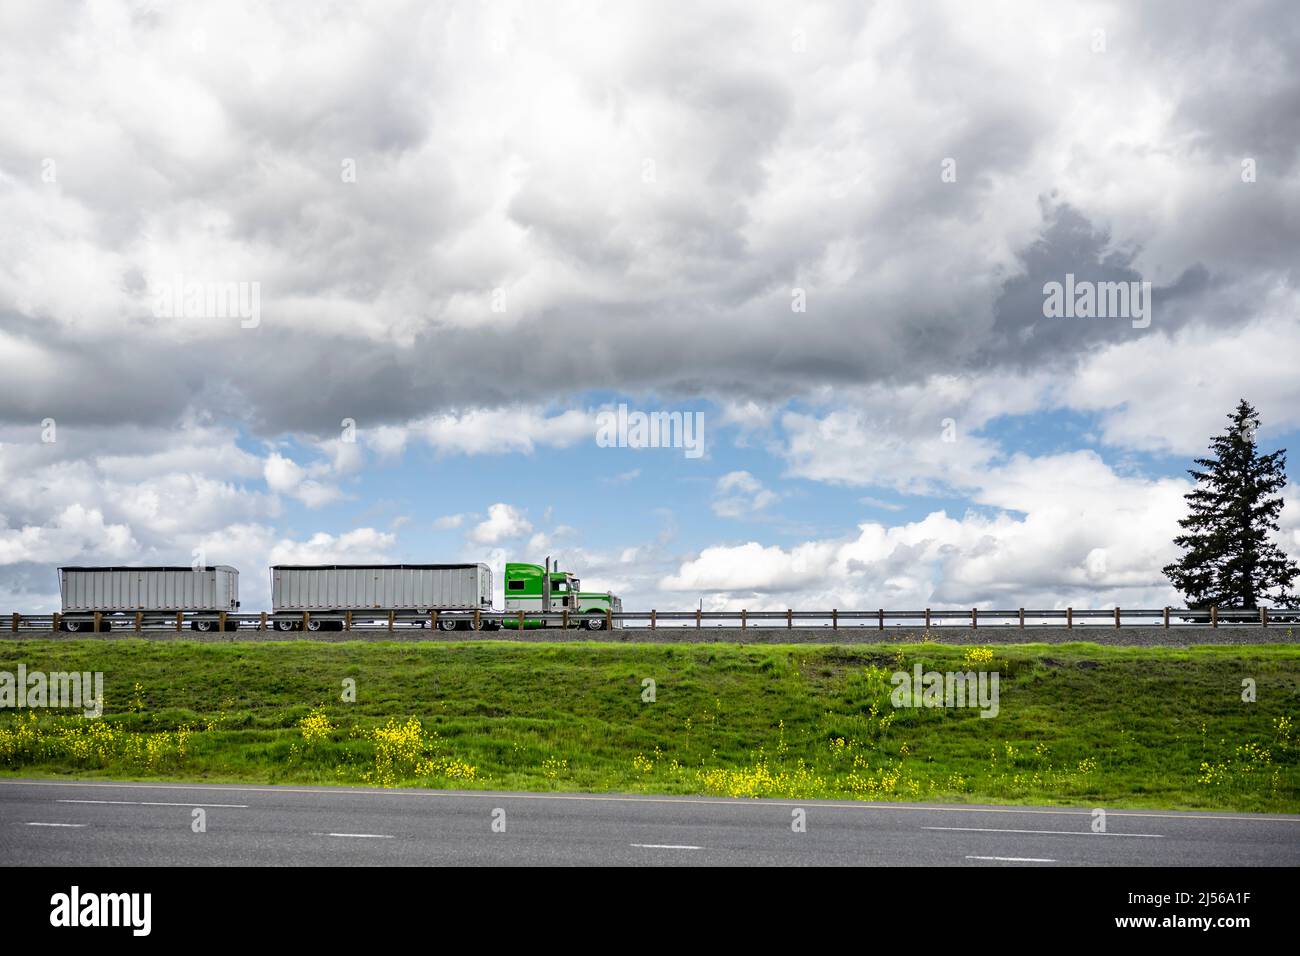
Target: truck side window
{"points": [[516, 585]]}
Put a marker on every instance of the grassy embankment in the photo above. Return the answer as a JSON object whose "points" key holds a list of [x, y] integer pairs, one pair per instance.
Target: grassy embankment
{"points": [[1078, 724]]}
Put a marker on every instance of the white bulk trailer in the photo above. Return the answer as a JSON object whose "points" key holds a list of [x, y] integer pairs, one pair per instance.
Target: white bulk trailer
{"points": [[389, 587], [85, 590]]}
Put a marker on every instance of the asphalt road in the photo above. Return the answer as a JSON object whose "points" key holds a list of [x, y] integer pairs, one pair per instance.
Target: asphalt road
{"points": [[69, 823]]}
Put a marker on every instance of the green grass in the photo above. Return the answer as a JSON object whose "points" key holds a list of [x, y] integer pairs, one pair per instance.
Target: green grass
{"points": [[1078, 723]]}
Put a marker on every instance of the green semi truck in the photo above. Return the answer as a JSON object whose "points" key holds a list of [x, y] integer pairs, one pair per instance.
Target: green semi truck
{"points": [[534, 588]]}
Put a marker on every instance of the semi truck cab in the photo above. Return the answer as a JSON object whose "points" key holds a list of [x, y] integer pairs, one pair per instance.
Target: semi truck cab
{"points": [[527, 589], [534, 588]]}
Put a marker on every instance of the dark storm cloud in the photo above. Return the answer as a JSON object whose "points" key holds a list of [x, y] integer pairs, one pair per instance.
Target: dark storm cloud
{"points": [[1022, 335], [524, 170], [1233, 114]]}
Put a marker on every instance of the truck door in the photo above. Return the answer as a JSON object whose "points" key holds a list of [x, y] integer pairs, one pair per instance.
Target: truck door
{"points": [[561, 597]]}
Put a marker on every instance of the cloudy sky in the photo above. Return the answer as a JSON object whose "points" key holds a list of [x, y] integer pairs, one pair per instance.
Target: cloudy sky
{"points": [[461, 231]]}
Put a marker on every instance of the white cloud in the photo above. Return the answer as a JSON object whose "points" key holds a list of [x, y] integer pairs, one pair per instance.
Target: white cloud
{"points": [[752, 567], [1170, 394], [916, 439], [179, 504], [344, 457], [388, 441], [285, 476], [1085, 535], [211, 453], [75, 532], [359, 546], [503, 523], [499, 430], [881, 504], [282, 474], [738, 494]]}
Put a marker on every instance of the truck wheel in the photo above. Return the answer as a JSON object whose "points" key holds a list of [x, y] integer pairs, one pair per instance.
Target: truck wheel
{"points": [[595, 622], [285, 625], [70, 625], [314, 625], [447, 624], [203, 625]]}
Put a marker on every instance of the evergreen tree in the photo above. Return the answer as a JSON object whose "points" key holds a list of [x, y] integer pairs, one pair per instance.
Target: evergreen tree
{"points": [[1229, 560]]}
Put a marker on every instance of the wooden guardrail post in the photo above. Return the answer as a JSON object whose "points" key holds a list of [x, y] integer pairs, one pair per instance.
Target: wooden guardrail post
{"points": [[835, 619], [1214, 616], [1166, 616], [1022, 618], [974, 618], [1263, 618], [1117, 617], [392, 619], [521, 621], [139, 621], [17, 618], [789, 618], [261, 621], [1069, 617], [652, 619], [433, 619], [882, 618], [743, 614], [99, 618], [478, 619], [180, 616], [697, 618], [609, 619], [221, 621], [564, 618], [927, 618]]}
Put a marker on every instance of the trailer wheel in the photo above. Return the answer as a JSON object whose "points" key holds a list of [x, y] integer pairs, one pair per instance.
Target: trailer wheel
{"points": [[203, 625], [595, 622], [283, 625], [447, 624], [70, 625], [314, 625]]}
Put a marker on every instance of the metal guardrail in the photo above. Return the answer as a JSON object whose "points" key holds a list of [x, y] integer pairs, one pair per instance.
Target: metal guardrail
{"points": [[834, 619]]}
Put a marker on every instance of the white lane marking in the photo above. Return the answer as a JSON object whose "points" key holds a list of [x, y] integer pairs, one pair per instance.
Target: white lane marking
{"points": [[614, 798], [1013, 859], [362, 836], [666, 846], [149, 803], [57, 824], [1149, 836]]}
